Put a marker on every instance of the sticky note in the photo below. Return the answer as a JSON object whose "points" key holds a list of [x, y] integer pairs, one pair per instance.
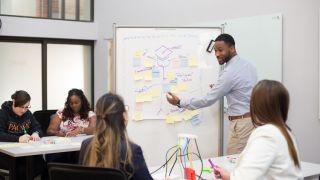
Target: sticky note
{"points": [[146, 97], [195, 120], [137, 76], [155, 72], [182, 87], [171, 76], [139, 98], [195, 112], [177, 118], [136, 62], [138, 106], [138, 54], [193, 62], [187, 115], [155, 92], [175, 63], [148, 62], [137, 116], [169, 120], [147, 76], [183, 62], [166, 88], [174, 89]]}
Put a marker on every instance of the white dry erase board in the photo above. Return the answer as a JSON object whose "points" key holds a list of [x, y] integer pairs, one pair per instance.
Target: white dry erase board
{"points": [[149, 62]]}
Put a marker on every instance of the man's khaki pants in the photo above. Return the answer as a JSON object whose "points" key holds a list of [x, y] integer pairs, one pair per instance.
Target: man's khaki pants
{"points": [[239, 132]]}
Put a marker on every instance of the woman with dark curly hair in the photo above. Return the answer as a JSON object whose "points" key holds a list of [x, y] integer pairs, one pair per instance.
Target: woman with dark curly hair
{"points": [[76, 117]]}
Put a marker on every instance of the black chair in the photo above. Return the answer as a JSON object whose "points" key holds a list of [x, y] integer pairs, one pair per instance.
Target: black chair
{"points": [[61, 171], [44, 118]]}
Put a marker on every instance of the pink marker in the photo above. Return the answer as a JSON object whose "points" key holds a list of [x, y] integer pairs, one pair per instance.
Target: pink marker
{"points": [[216, 173]]}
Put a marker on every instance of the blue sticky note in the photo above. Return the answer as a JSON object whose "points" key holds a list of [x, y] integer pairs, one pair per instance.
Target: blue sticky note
{"points": [[195, 120], [136, 62], [166, 87], [155, 72], [184, 62]]}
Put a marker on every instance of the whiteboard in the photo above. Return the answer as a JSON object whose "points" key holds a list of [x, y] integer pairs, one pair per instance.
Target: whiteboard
{"points": [[151, 61]]}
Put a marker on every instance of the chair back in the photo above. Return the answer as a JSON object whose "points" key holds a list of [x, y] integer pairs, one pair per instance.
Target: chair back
{"points": [[44, 118], [61, 171]]}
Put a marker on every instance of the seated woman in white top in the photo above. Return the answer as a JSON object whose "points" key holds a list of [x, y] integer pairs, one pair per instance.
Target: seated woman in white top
{"points": [[271, 151], [76, 117]]}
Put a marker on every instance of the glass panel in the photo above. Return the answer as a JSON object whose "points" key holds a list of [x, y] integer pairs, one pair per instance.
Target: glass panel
{"points": [[21, 66], [69, 66], [33, 8], [56, 9], [85, 10], [70, 9]]}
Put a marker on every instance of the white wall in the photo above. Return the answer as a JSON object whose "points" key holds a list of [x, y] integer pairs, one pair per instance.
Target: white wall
{"points": [[300, 46], [33, 27]]}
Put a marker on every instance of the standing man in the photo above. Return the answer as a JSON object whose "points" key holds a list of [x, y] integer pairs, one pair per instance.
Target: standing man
{"points": [[235, 82]]}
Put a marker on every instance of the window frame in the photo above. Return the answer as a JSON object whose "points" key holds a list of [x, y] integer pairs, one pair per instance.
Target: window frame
{"points": [[44, 42]]}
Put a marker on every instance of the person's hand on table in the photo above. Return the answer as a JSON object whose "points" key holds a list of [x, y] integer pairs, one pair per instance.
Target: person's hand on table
{"points": [[24, 138], [35, 136], [223, 173], [74, 132]]}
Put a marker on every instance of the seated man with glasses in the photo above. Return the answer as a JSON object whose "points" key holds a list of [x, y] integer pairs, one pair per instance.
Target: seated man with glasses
{"points": [[17, 124]]}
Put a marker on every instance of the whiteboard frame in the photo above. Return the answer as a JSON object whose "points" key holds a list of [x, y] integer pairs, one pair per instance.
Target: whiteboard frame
{"points": [[113, 77]]}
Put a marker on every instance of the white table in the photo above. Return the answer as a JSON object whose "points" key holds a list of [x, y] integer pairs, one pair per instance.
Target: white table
{"points": [[47, 145], [309, 170]]}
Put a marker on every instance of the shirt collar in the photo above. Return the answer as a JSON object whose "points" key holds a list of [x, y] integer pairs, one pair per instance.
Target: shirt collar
{"points": [[233, 59]]}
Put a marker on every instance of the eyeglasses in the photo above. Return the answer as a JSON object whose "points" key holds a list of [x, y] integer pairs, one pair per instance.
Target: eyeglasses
{"points": [[25, 107], [126, 107]]}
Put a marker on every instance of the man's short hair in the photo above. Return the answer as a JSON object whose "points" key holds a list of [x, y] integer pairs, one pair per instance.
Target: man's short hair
{"points": [[228, 39]]}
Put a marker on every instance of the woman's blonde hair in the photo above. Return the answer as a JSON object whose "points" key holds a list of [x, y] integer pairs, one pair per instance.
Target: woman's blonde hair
{"points": [[269, 105], [110, 136]]}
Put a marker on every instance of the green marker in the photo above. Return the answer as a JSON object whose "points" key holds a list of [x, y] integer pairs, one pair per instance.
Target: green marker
{"points": [[207, 170], [25, 131]]}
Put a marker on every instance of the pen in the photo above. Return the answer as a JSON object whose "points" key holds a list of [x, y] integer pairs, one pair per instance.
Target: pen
{"points": [[25, 132], [217, 174]]}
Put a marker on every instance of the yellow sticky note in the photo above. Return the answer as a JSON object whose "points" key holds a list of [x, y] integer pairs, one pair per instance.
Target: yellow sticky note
{"points": [[137, 76], [182, 87], [148, 62], [177, 118], [193, 62], [148, 76], [139, 98], [169, 120], [174, 89], [171, 76], [187, 115], [155, 92], [138, 54], [147, 97], [195, 112], [137, 116]]}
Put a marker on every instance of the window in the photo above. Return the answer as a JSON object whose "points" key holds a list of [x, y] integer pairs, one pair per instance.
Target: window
{"points": [[46, 69], [77, 10], [20, 69], [68, 66]]}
